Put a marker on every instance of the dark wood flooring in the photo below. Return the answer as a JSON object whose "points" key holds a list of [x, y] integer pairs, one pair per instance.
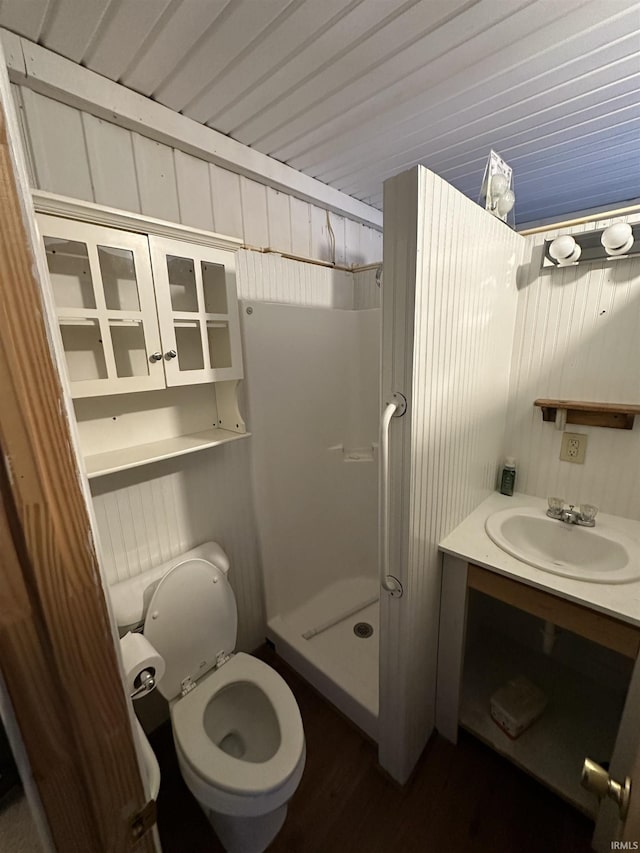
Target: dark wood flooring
{"points": [[461, 799]]}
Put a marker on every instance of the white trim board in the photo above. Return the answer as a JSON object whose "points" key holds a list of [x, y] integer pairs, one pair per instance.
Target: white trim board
{"points": [[45, 72]]}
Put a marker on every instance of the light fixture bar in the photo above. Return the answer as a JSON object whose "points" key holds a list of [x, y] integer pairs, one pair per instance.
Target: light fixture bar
{"points": [[591, 249]]}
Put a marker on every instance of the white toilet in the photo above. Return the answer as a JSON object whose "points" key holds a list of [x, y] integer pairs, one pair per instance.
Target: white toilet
{"points": [[236, 724]]}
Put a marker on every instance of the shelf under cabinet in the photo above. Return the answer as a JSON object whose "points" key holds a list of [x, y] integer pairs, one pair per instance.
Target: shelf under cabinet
{"points": [[580, 720], [100, 464]]}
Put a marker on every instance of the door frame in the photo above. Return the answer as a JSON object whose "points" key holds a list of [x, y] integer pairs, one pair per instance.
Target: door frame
{"points": [[58, 655]]}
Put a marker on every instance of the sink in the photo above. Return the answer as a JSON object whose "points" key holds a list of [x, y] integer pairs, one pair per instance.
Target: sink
{"points": [[598, 554]]}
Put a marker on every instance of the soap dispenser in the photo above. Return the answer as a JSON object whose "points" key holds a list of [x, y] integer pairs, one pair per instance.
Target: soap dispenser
{"points": [[508, 476]]}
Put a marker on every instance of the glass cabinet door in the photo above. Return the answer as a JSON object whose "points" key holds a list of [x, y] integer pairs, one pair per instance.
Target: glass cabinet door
{"points": [[197, 311], [102, 287]]}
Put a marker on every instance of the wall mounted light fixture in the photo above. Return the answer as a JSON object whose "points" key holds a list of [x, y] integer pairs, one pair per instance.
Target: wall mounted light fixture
{"points": [[617, 239], [564, 250], [615, 243]]}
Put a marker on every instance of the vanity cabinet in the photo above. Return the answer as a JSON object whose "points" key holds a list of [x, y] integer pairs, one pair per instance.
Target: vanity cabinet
{"points": [[140, 312], [493, 630]]}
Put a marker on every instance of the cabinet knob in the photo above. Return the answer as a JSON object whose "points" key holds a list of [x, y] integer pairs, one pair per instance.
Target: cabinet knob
{"points": [[170, 354], [155, 356]]}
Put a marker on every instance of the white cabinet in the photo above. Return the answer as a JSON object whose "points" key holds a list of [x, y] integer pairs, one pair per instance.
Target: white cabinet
{"points": [[141, 312], [197, 312], [102, 287], [149, 329]]}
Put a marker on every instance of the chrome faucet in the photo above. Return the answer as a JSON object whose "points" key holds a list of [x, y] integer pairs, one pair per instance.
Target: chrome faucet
{"points": [[584, 517]]}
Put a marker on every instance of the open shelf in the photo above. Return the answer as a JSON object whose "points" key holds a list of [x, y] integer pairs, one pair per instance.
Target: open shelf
{"points": [[580, 720], [612, 415], [99, 464]]}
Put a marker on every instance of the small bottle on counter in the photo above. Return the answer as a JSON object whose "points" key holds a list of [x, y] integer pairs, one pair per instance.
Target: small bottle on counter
{"points": [[508, 476]]}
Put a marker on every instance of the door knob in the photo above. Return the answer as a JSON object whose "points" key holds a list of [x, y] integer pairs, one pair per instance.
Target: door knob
{"points": [[155, 356], [597, 780], [170, 354]]}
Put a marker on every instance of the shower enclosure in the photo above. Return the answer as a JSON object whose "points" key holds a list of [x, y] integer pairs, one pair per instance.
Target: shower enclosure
{"points": [[313, 404], [447, 326]]}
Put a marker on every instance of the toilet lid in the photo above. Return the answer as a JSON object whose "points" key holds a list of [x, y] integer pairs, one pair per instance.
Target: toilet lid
{"points": [[191, 619]]}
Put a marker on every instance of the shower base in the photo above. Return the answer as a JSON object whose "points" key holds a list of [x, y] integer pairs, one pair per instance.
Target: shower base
{"points": [[339, 663]]}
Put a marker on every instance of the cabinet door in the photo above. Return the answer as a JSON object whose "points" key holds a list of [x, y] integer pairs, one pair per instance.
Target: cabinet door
{"points": [[103, 291], [197, 311]]}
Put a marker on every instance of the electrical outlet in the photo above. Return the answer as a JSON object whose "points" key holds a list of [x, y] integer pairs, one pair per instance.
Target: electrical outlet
{"points": [[573, 447]]}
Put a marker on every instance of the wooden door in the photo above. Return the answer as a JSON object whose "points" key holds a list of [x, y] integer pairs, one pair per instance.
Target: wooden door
{"points": [[197, 311], [57, 649], [625, 761], [102, 286], [631, 826]]}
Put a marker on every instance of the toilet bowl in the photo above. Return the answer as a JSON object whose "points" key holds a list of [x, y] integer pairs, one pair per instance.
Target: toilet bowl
{"points": [[236, 724]]}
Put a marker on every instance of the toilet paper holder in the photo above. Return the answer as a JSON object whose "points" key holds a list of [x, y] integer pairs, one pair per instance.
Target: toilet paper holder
{"points": [[147, 683]]}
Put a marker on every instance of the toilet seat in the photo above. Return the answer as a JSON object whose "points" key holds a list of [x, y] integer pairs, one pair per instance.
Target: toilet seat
{"points": [[192, 622], [216, 767]]}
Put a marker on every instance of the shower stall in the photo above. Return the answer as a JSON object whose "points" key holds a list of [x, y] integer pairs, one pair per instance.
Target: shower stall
{"points": [[312, 389], [439, 348]]}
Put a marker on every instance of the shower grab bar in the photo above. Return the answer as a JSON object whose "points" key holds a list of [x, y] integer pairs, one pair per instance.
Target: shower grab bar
{"points": [[395, 409]]}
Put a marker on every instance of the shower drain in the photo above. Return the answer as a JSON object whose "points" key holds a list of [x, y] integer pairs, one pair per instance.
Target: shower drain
{"points": [[363, 630]]}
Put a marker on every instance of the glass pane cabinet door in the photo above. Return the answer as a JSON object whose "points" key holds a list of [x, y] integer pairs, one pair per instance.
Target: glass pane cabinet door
{"points": [[102, 287], [197, 311]]}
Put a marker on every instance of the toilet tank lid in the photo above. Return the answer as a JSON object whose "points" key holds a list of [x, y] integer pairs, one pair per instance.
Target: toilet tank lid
{"points": [[130, 598]]}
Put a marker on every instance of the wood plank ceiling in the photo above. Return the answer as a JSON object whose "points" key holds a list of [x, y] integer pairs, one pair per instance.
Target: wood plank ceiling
{"points": [[354, 91]]}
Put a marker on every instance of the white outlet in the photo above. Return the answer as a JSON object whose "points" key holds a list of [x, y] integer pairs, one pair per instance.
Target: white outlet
{"points": [[573, 447]]}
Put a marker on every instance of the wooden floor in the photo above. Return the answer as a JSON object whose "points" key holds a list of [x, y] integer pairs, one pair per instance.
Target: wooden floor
{"points": [[463, 799]]}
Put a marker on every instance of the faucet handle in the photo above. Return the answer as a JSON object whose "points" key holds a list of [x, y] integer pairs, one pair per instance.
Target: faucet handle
{"points": [[556, 505], [588, 512]]}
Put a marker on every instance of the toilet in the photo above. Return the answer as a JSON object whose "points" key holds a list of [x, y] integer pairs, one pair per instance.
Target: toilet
{"points": [[236, 724]]}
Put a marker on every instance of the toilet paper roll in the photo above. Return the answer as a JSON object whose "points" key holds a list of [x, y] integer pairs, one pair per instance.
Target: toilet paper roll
{"points": [[137, 655]]}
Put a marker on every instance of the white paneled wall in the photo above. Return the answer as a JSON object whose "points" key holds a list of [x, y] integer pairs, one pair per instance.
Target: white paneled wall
{"points": [[366, 288], [577, 338], [272, 278], [449, 306], [151, 514], [148, 515], [75, 154]]}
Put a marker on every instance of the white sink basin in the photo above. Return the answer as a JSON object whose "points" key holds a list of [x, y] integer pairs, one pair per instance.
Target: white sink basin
{"points": [[598, 554]]}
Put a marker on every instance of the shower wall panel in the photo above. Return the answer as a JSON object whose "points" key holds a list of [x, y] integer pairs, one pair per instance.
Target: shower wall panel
{"points": [[312, 385], [449, 305]]}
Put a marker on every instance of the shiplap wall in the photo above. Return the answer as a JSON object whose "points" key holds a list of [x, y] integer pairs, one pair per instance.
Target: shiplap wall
{"points": [[366, 290], [272, 278], [76, 154], [449, 307], [151, 514], [577, 338]]}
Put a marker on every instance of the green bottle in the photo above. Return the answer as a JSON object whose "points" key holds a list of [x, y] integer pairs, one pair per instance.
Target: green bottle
{"points": [[508, 477]]}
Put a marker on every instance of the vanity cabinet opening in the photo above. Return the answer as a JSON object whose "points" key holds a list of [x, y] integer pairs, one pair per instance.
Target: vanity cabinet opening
{"points": [[585, 685]]}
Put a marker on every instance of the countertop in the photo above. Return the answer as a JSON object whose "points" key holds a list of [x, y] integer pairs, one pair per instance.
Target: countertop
{"points": [[470, 542]]}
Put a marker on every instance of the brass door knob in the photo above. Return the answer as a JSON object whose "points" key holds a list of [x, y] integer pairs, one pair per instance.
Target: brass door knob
{"points": [[597, 780]]}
